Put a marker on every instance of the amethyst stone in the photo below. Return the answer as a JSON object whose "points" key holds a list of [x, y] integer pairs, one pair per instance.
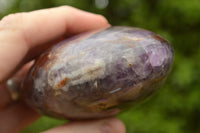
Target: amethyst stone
{"points": [[98, 74]]}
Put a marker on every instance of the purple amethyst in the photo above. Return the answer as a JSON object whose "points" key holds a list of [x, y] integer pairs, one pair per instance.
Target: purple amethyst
{"points": [[94, 75]]}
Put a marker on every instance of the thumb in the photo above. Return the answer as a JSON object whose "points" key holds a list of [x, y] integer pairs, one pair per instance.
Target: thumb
{"points": [[108, 125]]}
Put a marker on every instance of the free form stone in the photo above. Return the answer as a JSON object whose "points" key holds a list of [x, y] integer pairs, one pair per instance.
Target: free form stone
{"points": [[98, 74]]}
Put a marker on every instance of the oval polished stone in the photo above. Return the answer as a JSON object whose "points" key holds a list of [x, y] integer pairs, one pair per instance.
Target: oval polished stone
{"points": [[98, 74]]}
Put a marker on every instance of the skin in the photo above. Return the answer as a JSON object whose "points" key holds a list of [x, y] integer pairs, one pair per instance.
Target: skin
{"points": [[23, 37]]}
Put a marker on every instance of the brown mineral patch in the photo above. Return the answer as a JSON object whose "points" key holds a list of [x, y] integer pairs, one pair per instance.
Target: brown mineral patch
{"points": [[130, 65], [51, 61], [132, 93], [57, 92], [157, 37], [42, 60], [159, 79], [93, 71], [62, 83], [102, 105], [49, 65]]}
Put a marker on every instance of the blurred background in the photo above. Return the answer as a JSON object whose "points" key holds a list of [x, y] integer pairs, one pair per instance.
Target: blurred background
{"points": [[176, 107]]}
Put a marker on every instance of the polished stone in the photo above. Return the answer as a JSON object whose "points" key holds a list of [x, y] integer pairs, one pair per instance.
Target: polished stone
{"points": [[98, 74]]}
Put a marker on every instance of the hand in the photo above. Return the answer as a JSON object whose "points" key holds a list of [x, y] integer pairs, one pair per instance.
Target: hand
{"points": [[23, 36]]}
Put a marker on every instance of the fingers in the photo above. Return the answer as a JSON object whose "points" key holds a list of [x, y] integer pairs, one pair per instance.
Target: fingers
{"points": [[22, 32], [15, 117], [14, 114], [5, 95], [108, 125]]}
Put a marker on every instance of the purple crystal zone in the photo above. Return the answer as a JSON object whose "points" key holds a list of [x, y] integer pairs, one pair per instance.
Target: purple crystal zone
{"points": [[94, 75]]}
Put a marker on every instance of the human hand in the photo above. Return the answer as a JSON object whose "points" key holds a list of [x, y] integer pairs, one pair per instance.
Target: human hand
{"points": [[23, 36]]}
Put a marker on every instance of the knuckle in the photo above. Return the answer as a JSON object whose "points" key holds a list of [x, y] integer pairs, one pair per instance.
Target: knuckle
{"points": [[12, 21], [66, 7]]}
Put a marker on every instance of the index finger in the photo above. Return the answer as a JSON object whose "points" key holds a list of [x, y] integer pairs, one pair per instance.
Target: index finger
{"points": [[22, 32]]}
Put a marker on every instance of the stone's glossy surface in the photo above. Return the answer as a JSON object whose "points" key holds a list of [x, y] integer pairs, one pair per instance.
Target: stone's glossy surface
{"points": [[94, 75]]}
